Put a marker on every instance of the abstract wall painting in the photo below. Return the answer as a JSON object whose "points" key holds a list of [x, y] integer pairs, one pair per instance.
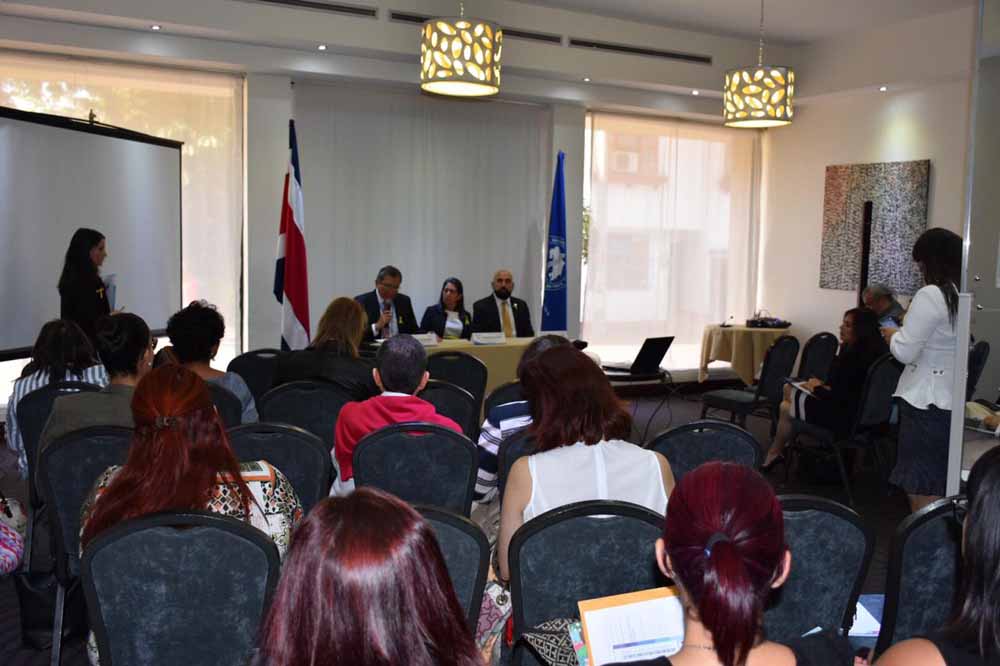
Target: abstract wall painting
{"points": [[898, 192]]}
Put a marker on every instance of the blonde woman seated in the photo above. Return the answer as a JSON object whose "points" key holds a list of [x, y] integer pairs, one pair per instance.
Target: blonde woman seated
{"points": [[580, 427]]}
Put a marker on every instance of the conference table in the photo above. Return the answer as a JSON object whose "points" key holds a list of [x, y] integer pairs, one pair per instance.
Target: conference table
{"points": [[501, 360], [742, 346]]}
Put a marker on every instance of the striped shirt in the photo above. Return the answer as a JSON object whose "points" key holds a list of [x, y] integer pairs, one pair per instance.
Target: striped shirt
{"points": [[95, 374], [502, 422]]}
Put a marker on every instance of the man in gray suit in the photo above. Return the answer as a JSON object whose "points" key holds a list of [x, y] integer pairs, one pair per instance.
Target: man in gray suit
{"points": [[126, 350]]}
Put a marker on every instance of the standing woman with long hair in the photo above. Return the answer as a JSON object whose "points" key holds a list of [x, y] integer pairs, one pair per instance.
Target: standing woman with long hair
{"points": [[83, 296], [926, 345], [365, 584]]}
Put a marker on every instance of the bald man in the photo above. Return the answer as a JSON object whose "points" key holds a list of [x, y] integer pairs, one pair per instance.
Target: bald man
{"points": [[501, 311]]}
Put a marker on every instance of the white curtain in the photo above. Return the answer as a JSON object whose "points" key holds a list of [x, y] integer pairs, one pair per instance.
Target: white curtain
{"points": [[436, 187], [673, 233], [203, 110]]}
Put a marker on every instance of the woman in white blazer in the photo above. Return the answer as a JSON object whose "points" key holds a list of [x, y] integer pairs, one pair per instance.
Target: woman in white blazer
{"points": [[926, 345]]}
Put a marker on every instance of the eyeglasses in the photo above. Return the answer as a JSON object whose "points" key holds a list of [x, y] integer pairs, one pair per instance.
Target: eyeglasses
{"points": [[960, 509], [450, 290], [389, 286]]}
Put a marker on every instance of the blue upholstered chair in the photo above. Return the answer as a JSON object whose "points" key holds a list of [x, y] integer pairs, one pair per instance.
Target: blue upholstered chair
{"points": [[466, 552], [257, 369], [310, 405], [227, 404], [454, 402], [817, 356], [688, 446], [518, 445], [501, 395], [460, 369]]}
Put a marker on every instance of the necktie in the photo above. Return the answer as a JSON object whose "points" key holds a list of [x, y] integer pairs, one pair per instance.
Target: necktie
{"points": [[508, 325]]}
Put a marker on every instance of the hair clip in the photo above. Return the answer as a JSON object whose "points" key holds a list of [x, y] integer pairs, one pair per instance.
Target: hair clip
{"points": [[714, 539], [164, 422]]}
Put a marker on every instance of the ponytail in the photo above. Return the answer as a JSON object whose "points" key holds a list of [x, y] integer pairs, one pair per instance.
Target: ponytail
{"points": [[725, 537]]}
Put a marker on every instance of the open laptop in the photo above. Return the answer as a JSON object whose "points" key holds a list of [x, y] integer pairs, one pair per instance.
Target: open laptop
{"points": [[648, 360]]}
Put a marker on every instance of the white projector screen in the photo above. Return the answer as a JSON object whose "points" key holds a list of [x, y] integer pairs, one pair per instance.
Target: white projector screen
{"points": [[59, 174]]}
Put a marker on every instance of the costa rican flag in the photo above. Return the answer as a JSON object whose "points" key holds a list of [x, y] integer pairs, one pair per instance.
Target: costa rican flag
{"points": [[291, 284]]}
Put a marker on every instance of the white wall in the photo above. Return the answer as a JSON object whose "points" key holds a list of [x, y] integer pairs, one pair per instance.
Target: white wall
{"points": [[928, 123]]}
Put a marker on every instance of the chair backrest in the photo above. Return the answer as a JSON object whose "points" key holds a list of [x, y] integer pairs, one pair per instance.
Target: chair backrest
{"points": [[420, 463], [501, 395], [778, 364], [518, 445], [925, 557], [257, 369], [460, 369], [818, 355], [978, 355], [580, 551], [688, 446], [301, 456], [466, 552], [32, 413], [67, 470], [227, 404], [831, 551], [178, 588], [876, 396], [310, 405], [454, 402]]}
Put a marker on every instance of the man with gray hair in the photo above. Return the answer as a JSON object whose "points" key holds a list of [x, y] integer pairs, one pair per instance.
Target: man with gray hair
{"points": [[880, 299]]}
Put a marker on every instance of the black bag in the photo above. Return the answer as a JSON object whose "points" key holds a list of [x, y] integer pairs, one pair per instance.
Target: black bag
{"points": [[36, 594]]}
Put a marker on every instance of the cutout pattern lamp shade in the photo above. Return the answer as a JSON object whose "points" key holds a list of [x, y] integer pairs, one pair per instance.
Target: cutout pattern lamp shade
{"points": [[460, 57], [759, 96]]}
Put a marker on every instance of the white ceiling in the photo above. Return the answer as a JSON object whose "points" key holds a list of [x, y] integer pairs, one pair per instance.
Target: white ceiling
{"points": [[788, 21]]}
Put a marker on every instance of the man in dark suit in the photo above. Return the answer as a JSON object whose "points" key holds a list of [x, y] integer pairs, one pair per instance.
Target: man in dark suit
{"points": [[389, 312], [501, 311]]}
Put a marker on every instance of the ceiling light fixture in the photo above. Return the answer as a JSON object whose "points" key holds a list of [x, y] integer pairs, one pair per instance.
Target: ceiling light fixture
{"points": [[883, 88], [155, 28], [586, 79], [758, 95], [460, 56], [321, 47], [695, 93]]}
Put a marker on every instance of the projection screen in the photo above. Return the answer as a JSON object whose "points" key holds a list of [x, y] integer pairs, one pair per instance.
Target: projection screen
{"points": [[58, 174]]}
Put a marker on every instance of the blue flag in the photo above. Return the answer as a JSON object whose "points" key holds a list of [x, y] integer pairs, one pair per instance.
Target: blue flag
{"points": [[554, 305]]}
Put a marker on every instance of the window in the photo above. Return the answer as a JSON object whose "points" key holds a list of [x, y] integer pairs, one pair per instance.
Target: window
{"points": [[672, 233]]}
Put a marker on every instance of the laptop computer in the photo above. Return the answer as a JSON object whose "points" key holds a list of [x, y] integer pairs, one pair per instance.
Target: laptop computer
{"points": [[647, 361]]}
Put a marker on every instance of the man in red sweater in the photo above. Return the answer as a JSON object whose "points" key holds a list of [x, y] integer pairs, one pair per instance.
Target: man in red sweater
{"points": [[400, 373]]}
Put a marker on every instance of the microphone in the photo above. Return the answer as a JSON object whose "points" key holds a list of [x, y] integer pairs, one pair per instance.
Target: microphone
{"points": [[387, 306]]}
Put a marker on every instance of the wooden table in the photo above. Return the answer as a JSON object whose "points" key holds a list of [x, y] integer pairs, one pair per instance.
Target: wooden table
{"points": [[501, 360], [742, 346]]}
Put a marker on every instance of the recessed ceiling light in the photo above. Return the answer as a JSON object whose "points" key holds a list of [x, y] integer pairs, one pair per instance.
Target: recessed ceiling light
{"points": [[155, 28], [883, 88], [586, 79], [695, 93], [321, 47]]}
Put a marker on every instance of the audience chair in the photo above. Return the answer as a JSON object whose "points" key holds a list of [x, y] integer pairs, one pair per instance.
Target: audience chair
{"points": [[518, 445], [818, 355], [257, 369], [978, 355], [227, 404], [178, 588], [923, 579], [67, 471], [310, 405], [454, 402], [301, 456], [688, 446], [420, 463], [831, 552], [461, 369], [32, 414], [579, 551], [501, 395], [764, 398], [466, 552], [869, 424]]}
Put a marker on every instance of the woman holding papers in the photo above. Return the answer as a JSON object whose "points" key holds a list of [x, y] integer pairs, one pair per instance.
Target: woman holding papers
{"points": [[832, 404], [579, 426], [83, 295], [724, 548]]}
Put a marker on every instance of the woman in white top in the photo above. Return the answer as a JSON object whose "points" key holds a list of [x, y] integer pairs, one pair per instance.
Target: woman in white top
{"points": [[926, 345], [579, 426]]}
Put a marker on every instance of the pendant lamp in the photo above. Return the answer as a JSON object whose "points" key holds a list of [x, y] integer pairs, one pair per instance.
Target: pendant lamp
{"points": [[460, 56], [759, 95]]}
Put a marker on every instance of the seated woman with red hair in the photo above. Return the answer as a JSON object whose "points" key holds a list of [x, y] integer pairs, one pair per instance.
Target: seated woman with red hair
{"points": [[365, 584], [180, 459]]}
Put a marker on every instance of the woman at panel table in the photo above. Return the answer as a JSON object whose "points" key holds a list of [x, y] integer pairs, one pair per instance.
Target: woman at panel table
{"points": [[449, 318], [83, 296]]}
